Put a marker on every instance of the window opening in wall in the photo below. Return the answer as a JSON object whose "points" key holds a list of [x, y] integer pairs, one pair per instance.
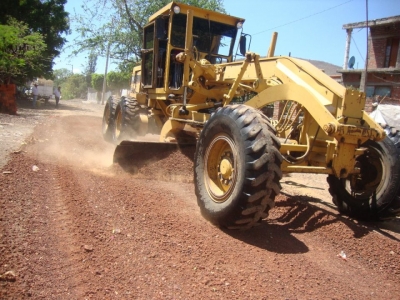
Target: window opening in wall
{"points": [[383, 91], [370, 91], [392, 47], [378, 91]]}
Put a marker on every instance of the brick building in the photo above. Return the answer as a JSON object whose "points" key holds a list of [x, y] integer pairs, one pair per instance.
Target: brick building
{"points": [[382, 84]]}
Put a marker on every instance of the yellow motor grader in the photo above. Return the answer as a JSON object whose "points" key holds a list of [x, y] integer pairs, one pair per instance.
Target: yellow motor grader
{"points": [[199, 85]]}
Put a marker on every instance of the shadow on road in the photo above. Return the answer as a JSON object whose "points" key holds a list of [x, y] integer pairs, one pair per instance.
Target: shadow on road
{"points": [[379, 226], [297, 215], [272, 237], [296, 184]]}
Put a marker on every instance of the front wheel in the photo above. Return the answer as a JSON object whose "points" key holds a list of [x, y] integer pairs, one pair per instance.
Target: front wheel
{"points": [[237, 167], [108, 119], [368, 194], [130, 120]]}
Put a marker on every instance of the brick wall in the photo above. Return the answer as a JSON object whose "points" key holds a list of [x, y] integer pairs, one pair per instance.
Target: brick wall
{"points": [[396, 92], [376, 53], [378, 41], [376, 79], [351, 79], [387, 79]]}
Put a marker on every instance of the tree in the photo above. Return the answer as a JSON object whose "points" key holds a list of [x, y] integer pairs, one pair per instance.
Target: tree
{"points": [[20, 52], [90, 68], [45, 17], [127, 66], [97, 82], [74, 87], [117, 81], [123, 27], [60, 76]]}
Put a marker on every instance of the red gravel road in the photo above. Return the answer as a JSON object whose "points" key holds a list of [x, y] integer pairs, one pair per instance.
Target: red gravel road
{"points": [[79, 227]]}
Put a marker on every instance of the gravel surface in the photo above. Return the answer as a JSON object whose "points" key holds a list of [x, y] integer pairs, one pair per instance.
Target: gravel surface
{"points": [[75, 226]]}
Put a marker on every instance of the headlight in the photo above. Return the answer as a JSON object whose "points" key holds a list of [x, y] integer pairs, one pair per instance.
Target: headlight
{"points": [[177, 9], [239, 25]]}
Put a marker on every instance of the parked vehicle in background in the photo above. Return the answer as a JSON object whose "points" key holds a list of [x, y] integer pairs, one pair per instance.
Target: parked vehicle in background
{"points": [[45, 87]]}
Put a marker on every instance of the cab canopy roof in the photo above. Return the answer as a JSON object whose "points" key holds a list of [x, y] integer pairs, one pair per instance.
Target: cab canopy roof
{"points": [[197, 12]]}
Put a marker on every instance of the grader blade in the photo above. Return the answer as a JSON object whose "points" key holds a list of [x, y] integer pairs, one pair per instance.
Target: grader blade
{"points": [[140, 150], [134, 155]]}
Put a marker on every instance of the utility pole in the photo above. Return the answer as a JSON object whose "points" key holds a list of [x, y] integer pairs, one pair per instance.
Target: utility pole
{"points": [[347, 49], [105, 74], [364, 75]]}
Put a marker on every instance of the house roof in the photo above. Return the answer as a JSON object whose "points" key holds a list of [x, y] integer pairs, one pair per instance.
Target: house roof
{"points": [[372, 23], [328, 68]]}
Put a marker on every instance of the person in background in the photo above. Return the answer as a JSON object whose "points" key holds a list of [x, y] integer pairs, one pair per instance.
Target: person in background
{"points": [[57, 94], [35, 93]]}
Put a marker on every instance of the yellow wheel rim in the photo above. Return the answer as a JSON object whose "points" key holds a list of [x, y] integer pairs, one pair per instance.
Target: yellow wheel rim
{"points": [[220, 168], [106, 119], [118, 123]]}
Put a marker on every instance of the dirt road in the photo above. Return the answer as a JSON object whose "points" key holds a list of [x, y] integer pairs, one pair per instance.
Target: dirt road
{"points": [[74, 226]]}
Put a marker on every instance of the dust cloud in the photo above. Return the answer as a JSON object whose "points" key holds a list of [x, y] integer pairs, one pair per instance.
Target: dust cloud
{"points": [[73, 144]]}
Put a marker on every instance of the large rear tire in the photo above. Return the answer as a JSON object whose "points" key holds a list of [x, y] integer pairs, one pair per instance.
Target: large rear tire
{"points": [[130, 120], [368, 194], [108, 119], [394, 209], [237, 167], [394, 136]]}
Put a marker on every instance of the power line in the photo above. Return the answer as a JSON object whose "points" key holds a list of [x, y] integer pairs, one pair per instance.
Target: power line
{"points": [[388, 81], [355, 44], [309, 16]]}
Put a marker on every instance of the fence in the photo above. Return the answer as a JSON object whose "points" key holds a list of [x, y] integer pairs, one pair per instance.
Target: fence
{"points": [[92, 97]]}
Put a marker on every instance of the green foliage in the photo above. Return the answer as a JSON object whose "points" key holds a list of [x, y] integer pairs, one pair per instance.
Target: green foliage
{"points": [[215, 5], [46, 18], [74, 87], [60, 76], [117, 81], [20, 52], [90, 68], [97, 82], [122, 25], [127, 67]]}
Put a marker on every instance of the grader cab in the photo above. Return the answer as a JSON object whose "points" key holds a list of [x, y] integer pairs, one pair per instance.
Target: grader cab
{"points": [[199, 85]]}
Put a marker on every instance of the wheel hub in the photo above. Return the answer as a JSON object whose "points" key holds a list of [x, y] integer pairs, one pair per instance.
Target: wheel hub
{"points": [[220, 166], [225, 170]]}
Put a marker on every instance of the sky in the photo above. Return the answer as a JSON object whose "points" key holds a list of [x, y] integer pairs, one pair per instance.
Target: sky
{"points": [[307, 29]]}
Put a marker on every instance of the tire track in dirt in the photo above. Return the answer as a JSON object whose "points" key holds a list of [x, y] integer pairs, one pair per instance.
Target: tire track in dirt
{"points": [[67, 245], [37, 223]]}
